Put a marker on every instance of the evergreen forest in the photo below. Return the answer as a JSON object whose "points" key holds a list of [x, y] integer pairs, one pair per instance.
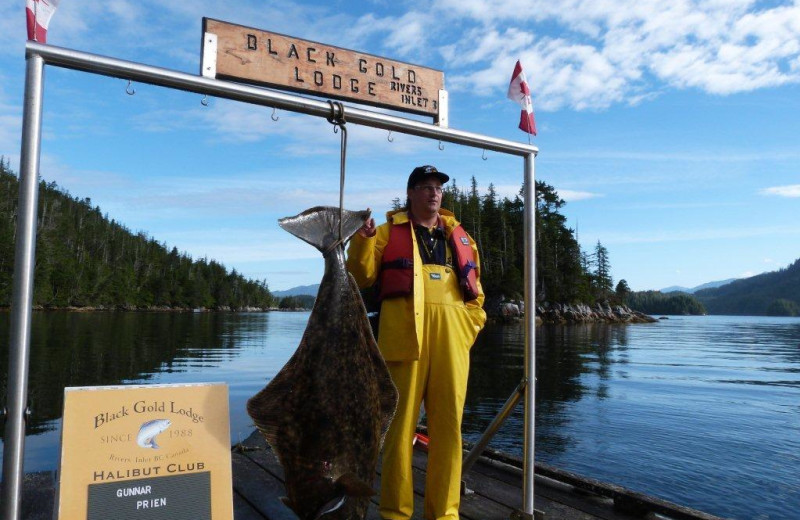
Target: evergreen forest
{"points": [[655, 302], [564, 273], [773, 294], [83, 259]]}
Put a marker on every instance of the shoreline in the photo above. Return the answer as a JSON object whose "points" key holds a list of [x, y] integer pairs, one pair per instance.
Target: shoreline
{"points": [[102, 308]]}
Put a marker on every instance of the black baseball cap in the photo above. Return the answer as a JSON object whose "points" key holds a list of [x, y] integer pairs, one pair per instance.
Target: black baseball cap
{"points": [[423, 172]]}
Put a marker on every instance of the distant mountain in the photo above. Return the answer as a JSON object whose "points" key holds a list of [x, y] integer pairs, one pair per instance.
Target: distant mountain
{"points": [[709, 285], [776, 293], [671, 288], [310, 290]]}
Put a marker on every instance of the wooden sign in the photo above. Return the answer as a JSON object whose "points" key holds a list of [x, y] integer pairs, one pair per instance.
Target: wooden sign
{"points": [[276, 60], [145, 453]]}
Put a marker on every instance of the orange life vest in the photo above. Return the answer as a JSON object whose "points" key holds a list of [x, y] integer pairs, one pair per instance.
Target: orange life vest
{"points": [[397, 268]]}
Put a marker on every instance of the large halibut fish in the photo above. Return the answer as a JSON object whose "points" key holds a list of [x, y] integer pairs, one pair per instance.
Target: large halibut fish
{"points": [[326, 412]]}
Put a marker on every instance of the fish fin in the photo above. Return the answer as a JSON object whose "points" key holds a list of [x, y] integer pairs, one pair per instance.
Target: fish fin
{"points": [[268, 407], [387, 388], [353, 486], [319, 226]]}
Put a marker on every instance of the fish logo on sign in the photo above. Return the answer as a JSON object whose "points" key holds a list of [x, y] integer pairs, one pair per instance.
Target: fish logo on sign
{"points": [[146, 438]]}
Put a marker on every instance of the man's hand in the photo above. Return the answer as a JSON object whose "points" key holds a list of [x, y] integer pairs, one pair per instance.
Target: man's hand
{"points": [[368, 229]]}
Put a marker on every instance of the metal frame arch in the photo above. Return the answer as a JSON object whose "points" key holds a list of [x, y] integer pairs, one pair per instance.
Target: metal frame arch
{"points": [[38, 55]]}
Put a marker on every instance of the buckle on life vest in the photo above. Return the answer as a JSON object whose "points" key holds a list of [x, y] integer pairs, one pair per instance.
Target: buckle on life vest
{"points": [[470, 265]]}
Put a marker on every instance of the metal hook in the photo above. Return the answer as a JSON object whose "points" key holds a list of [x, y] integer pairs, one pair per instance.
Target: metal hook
{"points": [[204, 101], [337, 118], [129, 89], [483, 155], [274, 115], [441, 146], [389, 137]]}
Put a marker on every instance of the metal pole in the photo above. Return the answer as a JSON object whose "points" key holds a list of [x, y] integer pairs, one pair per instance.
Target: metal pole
{"points": [[530, 334], [105, 66], [497, 422], [22, 297]]}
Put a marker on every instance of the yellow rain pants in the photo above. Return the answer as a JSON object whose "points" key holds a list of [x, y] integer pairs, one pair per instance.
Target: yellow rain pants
{"points": [[439, 379]]}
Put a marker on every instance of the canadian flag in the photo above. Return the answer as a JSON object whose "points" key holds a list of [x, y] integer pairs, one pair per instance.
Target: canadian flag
{"points": [[519, 91], [38, 13]]}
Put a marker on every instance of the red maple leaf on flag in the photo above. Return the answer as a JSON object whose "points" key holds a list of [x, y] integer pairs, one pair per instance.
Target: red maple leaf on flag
{"points": [[519, 91]]}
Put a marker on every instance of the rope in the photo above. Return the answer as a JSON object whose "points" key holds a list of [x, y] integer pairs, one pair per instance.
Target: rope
{"points": [[337, 119]]}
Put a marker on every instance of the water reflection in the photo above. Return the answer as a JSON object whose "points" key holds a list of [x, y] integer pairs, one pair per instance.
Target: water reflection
{"points": [[571, 361], [702, 411], [92, 349]]}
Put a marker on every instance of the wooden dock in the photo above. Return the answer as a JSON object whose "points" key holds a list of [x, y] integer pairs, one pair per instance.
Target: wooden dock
{"points": [[494, 487], [494, 492]]}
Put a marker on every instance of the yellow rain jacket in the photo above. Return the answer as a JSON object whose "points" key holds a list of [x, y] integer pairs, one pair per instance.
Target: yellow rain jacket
{"points": [[400, 316], [425, 338]]}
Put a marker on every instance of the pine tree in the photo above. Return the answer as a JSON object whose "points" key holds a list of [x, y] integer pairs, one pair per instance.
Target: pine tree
{"points": [[602, 273]]}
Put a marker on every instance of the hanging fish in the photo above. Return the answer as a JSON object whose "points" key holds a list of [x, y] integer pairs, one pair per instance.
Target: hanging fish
{"points": [[326, 412]]}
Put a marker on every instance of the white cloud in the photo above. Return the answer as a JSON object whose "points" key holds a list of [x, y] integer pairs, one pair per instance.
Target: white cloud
{"points": [[606, 52], [573, 196], [622, 51], [792, 191]]}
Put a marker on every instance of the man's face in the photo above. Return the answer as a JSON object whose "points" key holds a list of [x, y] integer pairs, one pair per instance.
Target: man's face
{"points": [[426, 197]]}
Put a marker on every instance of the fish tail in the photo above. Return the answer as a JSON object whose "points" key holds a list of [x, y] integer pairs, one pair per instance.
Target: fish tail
{"points": [[319, 226]]}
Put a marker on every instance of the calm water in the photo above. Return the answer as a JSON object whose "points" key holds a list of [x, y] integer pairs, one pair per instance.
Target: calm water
{"points": [[702, 411]]}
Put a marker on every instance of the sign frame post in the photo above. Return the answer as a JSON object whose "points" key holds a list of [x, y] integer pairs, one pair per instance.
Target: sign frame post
{"points": [[39, 55]]}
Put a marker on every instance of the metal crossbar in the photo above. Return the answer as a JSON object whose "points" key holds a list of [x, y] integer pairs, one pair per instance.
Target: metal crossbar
{"points": [[37, 56]]}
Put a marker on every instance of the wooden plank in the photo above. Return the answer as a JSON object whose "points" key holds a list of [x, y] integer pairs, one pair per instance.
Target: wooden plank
{"points": [[280, 61], [259, 488], [477, 507], [242, 510], [557, 501], [38, 496]]}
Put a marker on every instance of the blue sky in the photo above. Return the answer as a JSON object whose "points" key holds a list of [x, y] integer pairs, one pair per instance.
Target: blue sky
{"points": [[671, 128]]}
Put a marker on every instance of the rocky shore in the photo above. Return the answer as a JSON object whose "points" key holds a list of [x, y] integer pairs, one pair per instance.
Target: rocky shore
{"points": [[153, 308], [581, 313], [509, 311]]}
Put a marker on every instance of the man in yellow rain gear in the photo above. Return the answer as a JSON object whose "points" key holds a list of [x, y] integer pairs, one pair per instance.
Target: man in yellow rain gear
{"points": [[427, 270]]}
